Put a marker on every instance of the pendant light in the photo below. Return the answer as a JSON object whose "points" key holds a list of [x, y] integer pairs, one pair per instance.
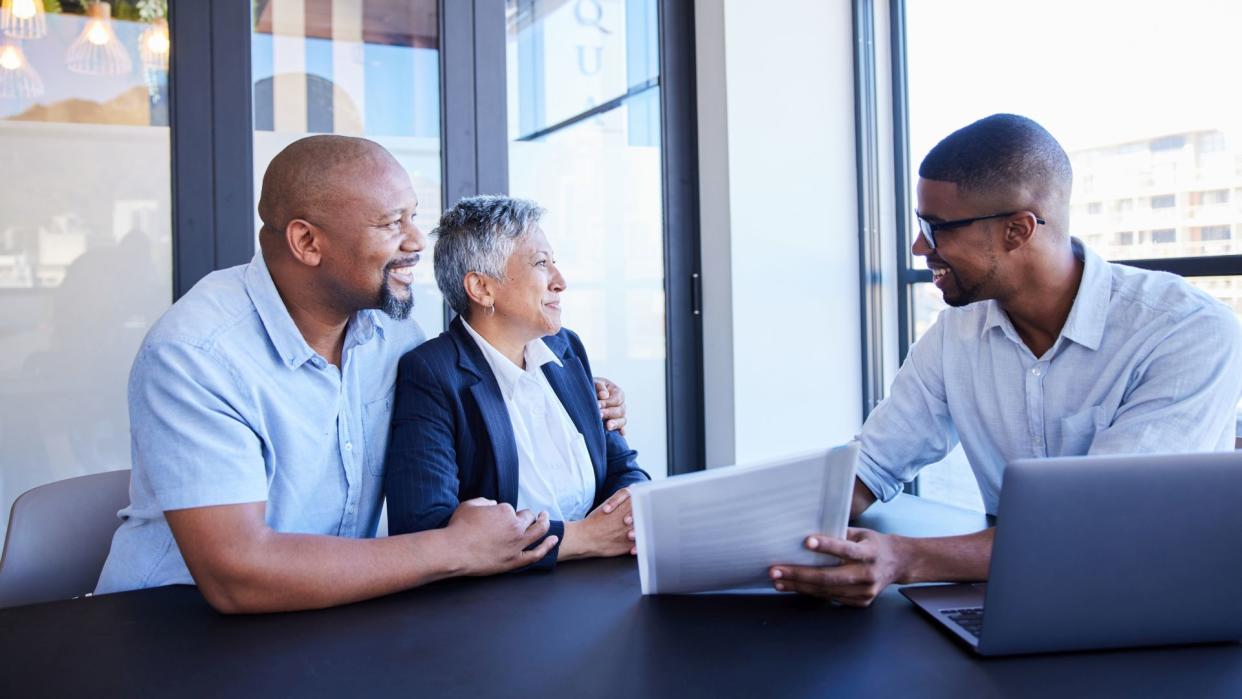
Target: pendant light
{"points": [[153, 45], [23, 19], [97, 50], [18, 79]]}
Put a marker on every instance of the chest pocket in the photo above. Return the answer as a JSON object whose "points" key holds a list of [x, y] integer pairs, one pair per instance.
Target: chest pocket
{"points": [[1078, 431], [375, 418]]}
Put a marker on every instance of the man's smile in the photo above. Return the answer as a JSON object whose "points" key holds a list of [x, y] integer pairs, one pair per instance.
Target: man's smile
{"points": [[403, 270]]}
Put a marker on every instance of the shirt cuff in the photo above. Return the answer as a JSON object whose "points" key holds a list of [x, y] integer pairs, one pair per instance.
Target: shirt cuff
{"points": [[555, 528], [195, 495], [883, 486]]}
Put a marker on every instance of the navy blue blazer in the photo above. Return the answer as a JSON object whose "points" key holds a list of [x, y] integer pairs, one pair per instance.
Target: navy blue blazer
{"points": [[451, 439]]}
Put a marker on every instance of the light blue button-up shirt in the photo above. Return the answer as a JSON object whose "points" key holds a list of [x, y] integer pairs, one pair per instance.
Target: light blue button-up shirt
{"points": [[228, 404], [1144, 364]]}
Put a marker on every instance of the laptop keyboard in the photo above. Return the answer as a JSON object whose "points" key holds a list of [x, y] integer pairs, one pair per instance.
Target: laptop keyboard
{"points": [[969, 618]]}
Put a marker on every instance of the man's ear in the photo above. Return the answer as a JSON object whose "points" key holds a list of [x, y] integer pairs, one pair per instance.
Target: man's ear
{"points": [[1019, 229], [480, 288], [304, 240]]}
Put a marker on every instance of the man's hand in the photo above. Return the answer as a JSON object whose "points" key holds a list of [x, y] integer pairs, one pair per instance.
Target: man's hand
{"points": [[870, 562], [491, 538], [607, 531], [611, 404]]}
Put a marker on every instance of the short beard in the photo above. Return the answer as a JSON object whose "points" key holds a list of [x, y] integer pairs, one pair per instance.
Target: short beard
{"points": [[965, 297], [393, 307]]}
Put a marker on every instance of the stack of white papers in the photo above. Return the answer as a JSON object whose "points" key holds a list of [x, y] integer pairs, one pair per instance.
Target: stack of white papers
{"points": [[723, 528]]}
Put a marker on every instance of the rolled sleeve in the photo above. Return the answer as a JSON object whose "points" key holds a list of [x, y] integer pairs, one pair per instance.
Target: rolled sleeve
{"points": [[190, 439], [912, 427]]}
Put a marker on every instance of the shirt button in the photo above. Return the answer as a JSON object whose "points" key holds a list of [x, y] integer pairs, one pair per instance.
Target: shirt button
{"points": [[1037, 370], [349, 446]]}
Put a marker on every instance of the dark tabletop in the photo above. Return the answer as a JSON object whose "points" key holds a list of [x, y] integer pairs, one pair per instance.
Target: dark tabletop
{"points": [[583, 630]]}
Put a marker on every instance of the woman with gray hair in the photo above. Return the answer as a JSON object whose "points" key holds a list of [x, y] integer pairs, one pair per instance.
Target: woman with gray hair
{"points": [[501, 405]]}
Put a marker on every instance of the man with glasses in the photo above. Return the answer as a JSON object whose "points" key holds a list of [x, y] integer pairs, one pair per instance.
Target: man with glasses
{"points": [[1047, 350]]}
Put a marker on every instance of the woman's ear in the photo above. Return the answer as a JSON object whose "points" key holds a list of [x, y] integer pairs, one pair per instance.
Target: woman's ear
{"points": [[480, 288]]}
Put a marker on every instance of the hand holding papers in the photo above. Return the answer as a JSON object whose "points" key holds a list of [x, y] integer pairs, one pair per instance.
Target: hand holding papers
{"points": [[723, 528]]}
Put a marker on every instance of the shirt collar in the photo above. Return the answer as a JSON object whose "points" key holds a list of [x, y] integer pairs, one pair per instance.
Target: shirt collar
{"points": [[507, 373], [1085, 323], [283, 332]]}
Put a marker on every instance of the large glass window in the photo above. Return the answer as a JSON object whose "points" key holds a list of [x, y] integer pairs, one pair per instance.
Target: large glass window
{"points": [[367, 68], [85, 236], [1155, 138], [584, 127]]}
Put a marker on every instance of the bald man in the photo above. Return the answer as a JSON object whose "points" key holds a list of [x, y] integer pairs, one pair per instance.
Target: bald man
{"points": [[1047, 350], [260, 402]]}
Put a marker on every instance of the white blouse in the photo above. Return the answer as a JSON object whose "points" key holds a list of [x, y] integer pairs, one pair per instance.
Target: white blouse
{"points": [[554, 468]]}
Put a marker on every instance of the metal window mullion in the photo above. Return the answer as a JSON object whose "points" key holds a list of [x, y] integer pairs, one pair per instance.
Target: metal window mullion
{"points": [[867, 151], [679, 156], [907, 275], [473, 129], [1205, 266], [901, 175], [233, 132], [211, 137]]}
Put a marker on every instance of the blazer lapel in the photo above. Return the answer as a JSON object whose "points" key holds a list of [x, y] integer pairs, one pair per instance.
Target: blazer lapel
{"points": [[578, 398], [491, 404]]}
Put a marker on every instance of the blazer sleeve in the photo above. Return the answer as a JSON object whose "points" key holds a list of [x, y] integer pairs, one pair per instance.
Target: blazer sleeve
{"points": [[420, 468], [623, 469]]}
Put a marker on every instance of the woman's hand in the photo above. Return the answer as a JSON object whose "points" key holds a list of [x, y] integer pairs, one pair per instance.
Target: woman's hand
{"points": [[607, 531]]}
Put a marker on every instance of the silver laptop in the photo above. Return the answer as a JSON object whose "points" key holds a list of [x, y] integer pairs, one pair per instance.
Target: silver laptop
{"points": [[1105, 552]]}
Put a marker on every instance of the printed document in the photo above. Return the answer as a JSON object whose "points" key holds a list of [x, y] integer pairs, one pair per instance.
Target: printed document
{"points": [[723, 528]]}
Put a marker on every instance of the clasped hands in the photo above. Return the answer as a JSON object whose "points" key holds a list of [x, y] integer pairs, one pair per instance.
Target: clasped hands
{"points": [[607, 531], [493, 537]]}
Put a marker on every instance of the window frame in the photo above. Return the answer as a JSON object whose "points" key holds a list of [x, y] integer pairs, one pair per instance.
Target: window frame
{"points": [[213, 160], [908, 275], [683, 329]]}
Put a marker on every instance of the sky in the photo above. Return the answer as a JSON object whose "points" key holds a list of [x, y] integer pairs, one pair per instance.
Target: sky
{"points": [[1093, 72]]}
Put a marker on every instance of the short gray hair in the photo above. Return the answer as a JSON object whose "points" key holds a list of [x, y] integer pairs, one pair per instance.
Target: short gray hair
{"points": [[477, 235]]}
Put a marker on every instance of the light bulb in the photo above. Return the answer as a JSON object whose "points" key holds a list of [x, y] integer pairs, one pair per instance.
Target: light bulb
{"points": [[157, 43], [11, 58], [18, 78], [97, 33], [23, 19], [154, 45], [23, 9], [97, 51]]}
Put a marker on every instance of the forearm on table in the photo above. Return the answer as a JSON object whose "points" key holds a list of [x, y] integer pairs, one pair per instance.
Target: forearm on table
{"points": [[576, 542], [287, 572], [945, 559]]}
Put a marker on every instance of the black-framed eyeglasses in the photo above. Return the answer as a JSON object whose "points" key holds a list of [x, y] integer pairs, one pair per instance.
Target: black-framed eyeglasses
{"points": [[928, 229]]}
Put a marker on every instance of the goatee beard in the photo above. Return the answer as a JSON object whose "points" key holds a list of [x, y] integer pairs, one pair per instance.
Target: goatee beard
{"points": [[393, 307]]}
